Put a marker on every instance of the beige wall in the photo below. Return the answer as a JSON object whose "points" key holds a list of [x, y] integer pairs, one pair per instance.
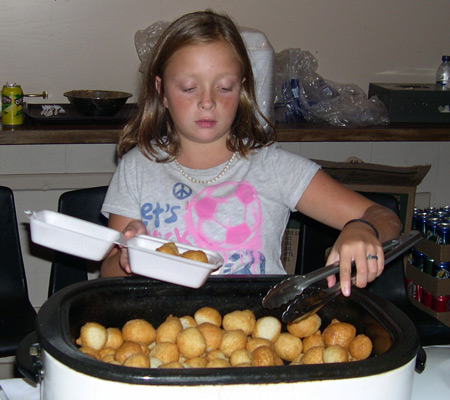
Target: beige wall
{"points": [[58, 45]]}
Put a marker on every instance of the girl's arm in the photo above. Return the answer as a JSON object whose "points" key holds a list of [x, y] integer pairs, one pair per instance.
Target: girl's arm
{"points": [[333, 204], [116, 263]]}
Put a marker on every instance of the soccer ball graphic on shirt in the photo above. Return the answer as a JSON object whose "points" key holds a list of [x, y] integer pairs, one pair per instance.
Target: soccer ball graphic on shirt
{"points": [[225, 217]]}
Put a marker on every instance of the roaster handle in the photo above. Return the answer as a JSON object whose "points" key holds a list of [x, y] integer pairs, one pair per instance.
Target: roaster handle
{"points": [[28, 358], [421, 360]]}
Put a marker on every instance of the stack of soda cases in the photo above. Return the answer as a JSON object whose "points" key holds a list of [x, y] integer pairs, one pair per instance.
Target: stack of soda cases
{"points": [[434, 224]]}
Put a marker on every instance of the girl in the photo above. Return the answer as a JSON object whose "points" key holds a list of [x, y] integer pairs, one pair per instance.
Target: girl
{"points": [[197, 167]]}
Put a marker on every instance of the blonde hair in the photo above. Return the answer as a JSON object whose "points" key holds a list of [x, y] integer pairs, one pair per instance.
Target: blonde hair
{"points": [[151, 127]]}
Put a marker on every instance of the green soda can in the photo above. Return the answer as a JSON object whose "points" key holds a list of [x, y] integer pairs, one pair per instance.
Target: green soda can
{"points": [[12, 105]]}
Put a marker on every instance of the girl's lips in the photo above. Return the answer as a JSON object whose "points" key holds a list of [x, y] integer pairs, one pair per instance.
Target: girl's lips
{"points": [[206, 123]]}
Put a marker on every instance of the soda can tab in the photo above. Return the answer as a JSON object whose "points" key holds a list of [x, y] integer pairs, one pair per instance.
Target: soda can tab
{"points": [[12, 105], [441, 270], [427, 298], [445, 209], [443, 233], [441, 303]]}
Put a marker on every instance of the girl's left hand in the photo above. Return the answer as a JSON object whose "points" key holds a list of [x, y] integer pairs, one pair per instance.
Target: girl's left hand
{"points": [[358, 243]]}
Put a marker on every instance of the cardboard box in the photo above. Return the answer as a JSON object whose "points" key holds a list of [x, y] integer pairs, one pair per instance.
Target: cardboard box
{"points": [[413, 102], [438, 252], [401, 182], [437, 287], [444, 317]]}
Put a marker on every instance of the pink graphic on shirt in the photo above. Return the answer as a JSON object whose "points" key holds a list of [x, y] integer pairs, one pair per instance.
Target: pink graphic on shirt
{"points": [[225, 218]]}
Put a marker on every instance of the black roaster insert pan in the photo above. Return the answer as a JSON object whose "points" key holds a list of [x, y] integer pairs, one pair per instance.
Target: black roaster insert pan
{"points": [[114, 301]]}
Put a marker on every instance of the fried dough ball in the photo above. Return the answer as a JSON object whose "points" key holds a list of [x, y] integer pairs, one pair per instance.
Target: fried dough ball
{"points": [[381, 344], [110, 359], [313, 356], [169, 330], [253, 343], [114, 338], [312, 341], [191, 342], [106, 351], [89, 351], [240, 356], [169, 248], [197, 362], [92, 335], [126, 350], [138, 330], [218, 363], [297, 360], [208, 314], [340, 333], [264, 356], [213, 354], [267, 328], [173, 364], [233, 340], [360, 347], [188, 322], [137, 361], [166, 352], [155, 362], [288, 346], [305, 327], [335, 354], [213, 335], [244, 320], [195, 255]]}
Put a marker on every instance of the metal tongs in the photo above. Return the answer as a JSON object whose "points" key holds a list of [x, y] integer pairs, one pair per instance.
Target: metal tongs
{"points": [[309, 298]]}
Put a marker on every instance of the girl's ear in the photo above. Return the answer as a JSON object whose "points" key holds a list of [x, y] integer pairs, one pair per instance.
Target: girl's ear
{"points": [[158, 86]]}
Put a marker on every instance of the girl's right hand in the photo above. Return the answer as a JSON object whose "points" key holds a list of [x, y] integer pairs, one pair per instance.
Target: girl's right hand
{"points": [[135, 227]]}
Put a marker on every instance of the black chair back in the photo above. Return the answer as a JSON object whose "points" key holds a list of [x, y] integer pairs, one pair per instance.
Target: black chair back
{"points": [[84, 204], [17, 315]]}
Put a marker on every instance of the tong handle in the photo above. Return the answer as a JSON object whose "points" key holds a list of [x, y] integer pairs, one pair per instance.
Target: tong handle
{"points": [[304, 306]]}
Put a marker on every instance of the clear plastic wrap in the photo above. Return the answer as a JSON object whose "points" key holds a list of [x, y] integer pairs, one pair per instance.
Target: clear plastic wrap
{"points": [[300, 92], [144, 40]]}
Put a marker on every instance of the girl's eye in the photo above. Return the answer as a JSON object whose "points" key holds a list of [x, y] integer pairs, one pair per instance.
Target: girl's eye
{"points": [[188, 89], [226, 89]]}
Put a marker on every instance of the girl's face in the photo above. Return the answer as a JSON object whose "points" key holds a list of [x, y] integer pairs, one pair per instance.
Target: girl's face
{"points": [[202, 85]]}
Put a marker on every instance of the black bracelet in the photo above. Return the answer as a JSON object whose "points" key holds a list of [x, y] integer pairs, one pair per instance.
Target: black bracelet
{"points": [[375, 230]]}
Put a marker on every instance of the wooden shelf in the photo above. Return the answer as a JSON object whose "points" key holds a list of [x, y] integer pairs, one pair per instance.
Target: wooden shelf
{"points": [[28, 134]]}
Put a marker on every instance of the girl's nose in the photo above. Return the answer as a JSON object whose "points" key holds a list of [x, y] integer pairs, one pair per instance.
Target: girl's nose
{"points": [[207, 101]]}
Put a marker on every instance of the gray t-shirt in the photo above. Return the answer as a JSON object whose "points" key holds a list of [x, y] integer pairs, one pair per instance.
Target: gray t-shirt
{"points": [[242, 216]]}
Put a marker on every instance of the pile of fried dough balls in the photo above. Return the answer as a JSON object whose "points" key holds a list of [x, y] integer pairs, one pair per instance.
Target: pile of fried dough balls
{"points": [[206, 340]]}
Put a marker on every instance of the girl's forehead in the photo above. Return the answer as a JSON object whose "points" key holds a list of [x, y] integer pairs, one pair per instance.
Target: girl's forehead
{"points": [[220, 53]]}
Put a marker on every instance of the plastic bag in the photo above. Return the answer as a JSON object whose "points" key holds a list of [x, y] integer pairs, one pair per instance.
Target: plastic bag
{"points": [[300, 92], [144, 41]]}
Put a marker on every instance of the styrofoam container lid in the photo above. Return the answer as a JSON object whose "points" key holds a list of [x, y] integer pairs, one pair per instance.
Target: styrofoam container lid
{"points": [[88, 240], [71, 235]]}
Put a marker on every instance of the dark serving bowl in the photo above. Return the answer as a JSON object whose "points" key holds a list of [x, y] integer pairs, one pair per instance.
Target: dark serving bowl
{"points": [[97, 102]]}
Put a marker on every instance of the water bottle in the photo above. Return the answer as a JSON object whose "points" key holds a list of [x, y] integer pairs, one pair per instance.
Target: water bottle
{"points": [[443, 72]]}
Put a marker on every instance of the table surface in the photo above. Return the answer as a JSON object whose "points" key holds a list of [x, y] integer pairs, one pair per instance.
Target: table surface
{"points": [[33, 133]]}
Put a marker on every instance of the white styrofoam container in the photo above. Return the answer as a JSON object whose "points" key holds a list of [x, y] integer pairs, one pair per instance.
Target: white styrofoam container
{"points": [[146, 261], [91, 241], [71, 235]]}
